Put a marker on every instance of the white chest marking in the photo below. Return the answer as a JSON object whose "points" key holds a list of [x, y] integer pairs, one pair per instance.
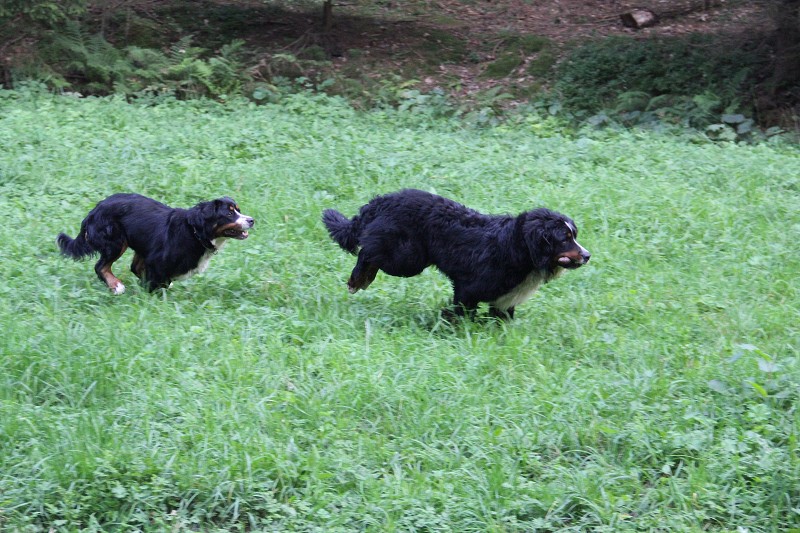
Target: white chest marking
{"points": [[520, 293], [524, 290], [202, 265]]}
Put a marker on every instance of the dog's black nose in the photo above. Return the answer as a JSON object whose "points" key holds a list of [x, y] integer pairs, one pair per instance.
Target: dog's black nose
{"points": [[251, 221], [586, 256]]}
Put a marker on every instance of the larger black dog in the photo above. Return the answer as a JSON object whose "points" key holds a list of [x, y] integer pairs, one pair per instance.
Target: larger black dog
{"points": [[489, 258], [169, 243]]}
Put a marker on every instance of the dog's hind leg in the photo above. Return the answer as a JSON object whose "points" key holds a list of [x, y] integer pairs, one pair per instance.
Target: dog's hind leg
{"points": [[363, 274], [108, 255]]}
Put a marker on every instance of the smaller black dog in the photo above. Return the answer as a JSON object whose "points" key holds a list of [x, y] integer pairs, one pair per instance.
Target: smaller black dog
{"points": [[169, 243], [498, 259]]}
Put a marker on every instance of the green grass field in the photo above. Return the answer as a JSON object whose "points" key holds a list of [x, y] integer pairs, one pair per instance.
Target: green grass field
{"points": [[656, 388]]}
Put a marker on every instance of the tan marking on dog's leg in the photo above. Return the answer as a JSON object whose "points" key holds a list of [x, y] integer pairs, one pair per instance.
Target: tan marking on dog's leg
{"points": [[112, 281]]}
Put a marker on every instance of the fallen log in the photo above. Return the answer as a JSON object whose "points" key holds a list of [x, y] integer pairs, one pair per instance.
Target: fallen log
{"points": [[639, 18]]}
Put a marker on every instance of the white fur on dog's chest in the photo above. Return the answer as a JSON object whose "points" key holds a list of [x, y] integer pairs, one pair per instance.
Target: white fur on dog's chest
{"points": [[523, 291], [202, 265]]}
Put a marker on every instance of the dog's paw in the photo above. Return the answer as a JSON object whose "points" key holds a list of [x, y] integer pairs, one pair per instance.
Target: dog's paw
{"points": [[449, 314], [119, 288]]}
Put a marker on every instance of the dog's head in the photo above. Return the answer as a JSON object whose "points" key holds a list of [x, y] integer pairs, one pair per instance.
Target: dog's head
{"points": [[551, 239], [219, 218]]}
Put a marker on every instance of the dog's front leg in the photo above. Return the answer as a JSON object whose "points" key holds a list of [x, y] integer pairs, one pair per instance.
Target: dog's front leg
{"points": [[494, 312], [153, 285], [463, 303], [459, 311], [154, 279]]}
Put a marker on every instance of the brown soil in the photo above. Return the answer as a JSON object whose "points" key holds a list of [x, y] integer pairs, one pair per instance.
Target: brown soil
{"points": [[441, 43], [393, 35]]}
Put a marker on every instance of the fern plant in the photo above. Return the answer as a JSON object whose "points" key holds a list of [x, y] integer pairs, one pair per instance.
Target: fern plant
{"points": [[227, 68], [75, 58], [184, 71], [87, 58], [47, 13]]}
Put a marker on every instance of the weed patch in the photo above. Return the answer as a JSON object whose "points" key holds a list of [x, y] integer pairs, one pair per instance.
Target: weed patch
{"points": [[503, 66], [653, 389]]}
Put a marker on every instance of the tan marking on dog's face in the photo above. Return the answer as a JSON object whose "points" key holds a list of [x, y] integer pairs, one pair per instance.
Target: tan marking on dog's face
{"points": [[236, 228], [574, 255]]}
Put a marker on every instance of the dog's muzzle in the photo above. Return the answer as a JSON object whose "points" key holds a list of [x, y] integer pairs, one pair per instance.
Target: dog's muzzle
{"points": [[238, 229], [574, 259]]}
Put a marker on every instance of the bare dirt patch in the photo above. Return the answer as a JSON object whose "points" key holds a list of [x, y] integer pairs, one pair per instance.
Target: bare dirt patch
{"points": [[470, 36]]}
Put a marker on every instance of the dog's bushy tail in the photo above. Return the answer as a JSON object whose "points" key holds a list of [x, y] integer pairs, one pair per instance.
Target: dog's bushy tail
{"points": [[76, 248], [342, 230]]}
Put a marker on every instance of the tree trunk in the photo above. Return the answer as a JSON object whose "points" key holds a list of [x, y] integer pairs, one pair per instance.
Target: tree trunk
{"points": [[327, 16], [787, 45]]}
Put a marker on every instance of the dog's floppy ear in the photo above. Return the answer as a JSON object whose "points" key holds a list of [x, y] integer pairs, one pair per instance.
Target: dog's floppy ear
{"points": [[201, 220], [538, 238]]}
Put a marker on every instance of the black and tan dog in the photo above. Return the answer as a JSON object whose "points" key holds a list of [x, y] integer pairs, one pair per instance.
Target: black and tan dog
{"points": [[497, 259], [169, 243]]}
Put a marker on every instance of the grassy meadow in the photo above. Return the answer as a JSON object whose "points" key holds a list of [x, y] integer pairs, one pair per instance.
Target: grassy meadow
{"points": [[656, 388]]}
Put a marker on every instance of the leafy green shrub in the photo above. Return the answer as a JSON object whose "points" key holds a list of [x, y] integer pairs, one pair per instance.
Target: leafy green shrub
{"points": [[603, 74]]}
